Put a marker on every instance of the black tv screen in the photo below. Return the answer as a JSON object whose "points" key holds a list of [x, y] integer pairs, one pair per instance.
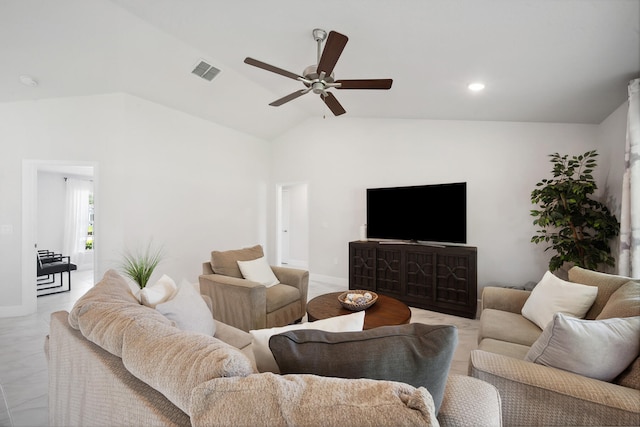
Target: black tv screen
{"points": [[429, 213]]}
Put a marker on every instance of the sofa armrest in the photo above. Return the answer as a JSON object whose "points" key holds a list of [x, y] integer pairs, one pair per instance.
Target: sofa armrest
{"points": [[236, 302], [206, 268], [505, 299], [470, 402], [293, 277], [534, 394], [238, 338], [90, 386], [231, 335]]}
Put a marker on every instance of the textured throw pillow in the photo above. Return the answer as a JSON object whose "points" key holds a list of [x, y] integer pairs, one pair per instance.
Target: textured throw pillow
{"points": [[308, 400], [553, 295], [625, 302], [416, 354], [599, 349], [258, 270], [188, 310], [264, 358], [158, 292], [226, 262]]}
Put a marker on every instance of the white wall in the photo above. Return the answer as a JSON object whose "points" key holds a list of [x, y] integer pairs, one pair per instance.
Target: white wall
{"points": [[194, 186], [51, 210], [501, 162], [188, 184]]}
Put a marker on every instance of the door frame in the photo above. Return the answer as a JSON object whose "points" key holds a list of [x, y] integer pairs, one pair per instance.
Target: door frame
{"points": [[30, 170], [279, 216]]}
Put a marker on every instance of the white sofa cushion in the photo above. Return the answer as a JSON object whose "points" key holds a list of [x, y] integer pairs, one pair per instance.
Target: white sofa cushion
{"points": [[553, 295], [258, 270]]}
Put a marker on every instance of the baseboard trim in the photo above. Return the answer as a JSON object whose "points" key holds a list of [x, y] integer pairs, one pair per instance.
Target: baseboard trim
{"points": [[329, 279]]}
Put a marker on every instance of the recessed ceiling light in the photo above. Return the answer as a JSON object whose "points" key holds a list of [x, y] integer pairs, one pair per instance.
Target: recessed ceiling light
{"points": [[476, 87], [28, 81]]}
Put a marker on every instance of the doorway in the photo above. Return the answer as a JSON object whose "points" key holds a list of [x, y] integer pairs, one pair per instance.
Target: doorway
{"points": [[292, 228], [41, 180]]}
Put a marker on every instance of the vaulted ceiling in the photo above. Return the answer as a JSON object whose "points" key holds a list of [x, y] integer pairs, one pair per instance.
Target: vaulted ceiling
{"points": [[541, 60]]}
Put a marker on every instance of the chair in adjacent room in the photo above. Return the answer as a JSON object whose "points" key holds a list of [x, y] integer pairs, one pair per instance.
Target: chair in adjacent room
{"points": [[49, 264]]}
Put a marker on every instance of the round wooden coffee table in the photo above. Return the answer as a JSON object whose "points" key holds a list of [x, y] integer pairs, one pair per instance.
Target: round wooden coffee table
{"points": [[385, 312]]}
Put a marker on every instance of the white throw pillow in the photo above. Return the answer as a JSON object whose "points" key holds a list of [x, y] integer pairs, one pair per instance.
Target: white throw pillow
{"points": [[188, 310], [599, 349], [158, 292], [265, 362], [553, 295], [258, 270]]}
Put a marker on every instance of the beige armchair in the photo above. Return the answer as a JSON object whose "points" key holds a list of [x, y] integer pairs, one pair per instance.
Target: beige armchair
{"points": [[246, 304]]}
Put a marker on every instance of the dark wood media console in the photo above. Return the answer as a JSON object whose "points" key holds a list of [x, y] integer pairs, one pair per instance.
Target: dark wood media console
{"points": [[432, 277]]}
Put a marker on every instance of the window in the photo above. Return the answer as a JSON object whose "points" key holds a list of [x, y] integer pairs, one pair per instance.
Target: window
{"points": [[89, 240]]}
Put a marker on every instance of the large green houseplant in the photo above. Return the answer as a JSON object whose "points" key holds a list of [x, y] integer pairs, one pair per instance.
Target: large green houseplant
{"points": [[576, 227]]}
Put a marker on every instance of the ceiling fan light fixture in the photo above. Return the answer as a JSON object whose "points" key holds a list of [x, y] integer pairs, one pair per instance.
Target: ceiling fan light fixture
{"points": [[476, 87]]}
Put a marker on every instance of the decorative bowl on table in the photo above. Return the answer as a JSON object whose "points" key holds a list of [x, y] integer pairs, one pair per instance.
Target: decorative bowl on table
{"points": [[357, 300]]}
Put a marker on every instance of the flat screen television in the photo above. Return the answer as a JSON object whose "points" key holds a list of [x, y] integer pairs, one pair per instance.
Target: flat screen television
{"points": [[422, 213]]}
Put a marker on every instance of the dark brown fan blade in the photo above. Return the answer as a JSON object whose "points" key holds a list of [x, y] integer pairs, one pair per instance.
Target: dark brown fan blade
{"points": [[290, 97], [365, 84], [332, 50], [271, 68], [333, 104]]}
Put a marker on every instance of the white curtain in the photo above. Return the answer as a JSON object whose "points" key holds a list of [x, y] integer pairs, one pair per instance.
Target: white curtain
{"points": [[76, 221], [629, 263]]}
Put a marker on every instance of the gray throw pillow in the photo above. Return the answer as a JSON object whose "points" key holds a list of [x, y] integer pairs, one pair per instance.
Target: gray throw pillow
{"points": [[599, 349], [416, 354]]}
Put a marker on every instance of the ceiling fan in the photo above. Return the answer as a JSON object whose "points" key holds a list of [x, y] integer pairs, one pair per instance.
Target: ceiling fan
{"points": [[318, 78]]}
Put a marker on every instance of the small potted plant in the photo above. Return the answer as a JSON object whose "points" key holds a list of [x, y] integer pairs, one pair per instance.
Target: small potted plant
{"points": [[139, 266], [576, 227]]}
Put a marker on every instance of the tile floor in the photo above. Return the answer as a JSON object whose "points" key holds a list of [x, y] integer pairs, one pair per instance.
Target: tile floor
{"points": [[23, 367]]}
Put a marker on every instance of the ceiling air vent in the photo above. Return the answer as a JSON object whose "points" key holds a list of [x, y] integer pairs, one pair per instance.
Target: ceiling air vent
{"points": [[206, 71]]}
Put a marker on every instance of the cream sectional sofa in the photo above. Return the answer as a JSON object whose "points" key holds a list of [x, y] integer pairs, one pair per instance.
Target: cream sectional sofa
{"points": [[113, 361], [535, 394]]}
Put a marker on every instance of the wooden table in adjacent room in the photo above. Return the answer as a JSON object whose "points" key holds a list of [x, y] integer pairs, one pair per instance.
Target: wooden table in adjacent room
{"points": [[386, 311]]}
